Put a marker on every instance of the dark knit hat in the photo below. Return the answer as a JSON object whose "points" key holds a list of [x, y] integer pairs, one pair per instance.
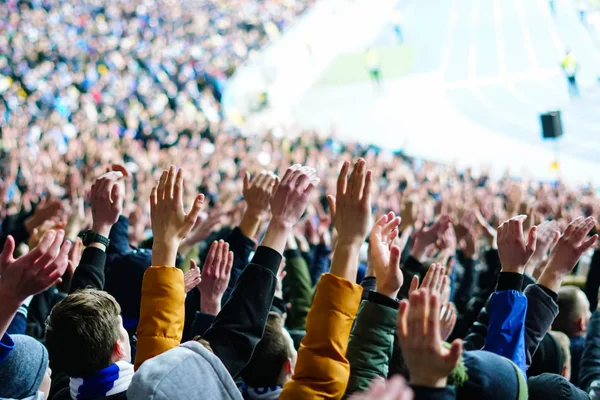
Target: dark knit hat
{"points": [[553, 386], [490, 377], [548, 357], [23, 370]]}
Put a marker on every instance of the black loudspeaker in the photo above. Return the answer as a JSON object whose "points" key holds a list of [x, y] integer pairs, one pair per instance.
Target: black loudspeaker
{"points": [[551, 125]]}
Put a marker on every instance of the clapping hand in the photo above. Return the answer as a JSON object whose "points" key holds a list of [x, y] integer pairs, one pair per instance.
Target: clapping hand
{"points": [[107, 198], [384, 256], [215, 277], [567, 251], [36, 271]]}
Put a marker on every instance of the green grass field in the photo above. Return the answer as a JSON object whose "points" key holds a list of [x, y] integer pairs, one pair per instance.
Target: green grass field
{"points": [[351, 67]]}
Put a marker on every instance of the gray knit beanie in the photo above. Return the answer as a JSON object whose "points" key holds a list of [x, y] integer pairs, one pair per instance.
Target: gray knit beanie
{"points": [[23, 370]]}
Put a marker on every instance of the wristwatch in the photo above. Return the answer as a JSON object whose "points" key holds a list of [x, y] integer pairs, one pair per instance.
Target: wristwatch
{"points": [[90, 237]]}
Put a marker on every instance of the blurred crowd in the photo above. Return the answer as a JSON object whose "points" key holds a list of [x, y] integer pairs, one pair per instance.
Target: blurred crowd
{"points": [[150, 68]]}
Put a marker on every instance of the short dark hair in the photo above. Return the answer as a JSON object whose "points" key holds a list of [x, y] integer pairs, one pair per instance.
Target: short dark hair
{"points": [[81, 332], [269, 355], [569, 309]]}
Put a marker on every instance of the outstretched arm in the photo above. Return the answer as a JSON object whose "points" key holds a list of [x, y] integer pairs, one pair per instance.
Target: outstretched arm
{"points": [[240, 324], [322, 370]]}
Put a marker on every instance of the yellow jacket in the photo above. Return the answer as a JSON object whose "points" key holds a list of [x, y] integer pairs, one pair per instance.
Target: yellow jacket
{"points": [[162, 313], [322, 370]]}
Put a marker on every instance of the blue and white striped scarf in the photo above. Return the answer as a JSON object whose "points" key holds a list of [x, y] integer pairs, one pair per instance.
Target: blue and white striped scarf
{"points": [[111, 380]]}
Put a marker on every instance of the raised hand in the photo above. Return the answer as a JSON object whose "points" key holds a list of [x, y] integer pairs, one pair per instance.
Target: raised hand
{"points": [[394, 388], [514, 252], [215, 277], [191, 279], [567, 251], [489, 232], [465, 225], [427, 236], [289, 200], [107, 196], [429, 362], [547, 236], [384, 256], [408, 214], [258, 193], [170, 223], [36, 271], [45, 210], [351, 206], [288, 203]]}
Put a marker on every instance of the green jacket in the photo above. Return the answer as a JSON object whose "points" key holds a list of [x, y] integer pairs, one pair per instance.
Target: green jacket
{"points": [[371, 341], [300, 290]]}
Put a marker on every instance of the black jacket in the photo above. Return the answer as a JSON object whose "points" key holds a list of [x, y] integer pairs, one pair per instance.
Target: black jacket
{"points": [[240, 324]]}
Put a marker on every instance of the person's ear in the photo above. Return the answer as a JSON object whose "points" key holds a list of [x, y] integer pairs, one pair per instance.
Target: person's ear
{"points": [[287, 367], [581, 324], [118, 350]]}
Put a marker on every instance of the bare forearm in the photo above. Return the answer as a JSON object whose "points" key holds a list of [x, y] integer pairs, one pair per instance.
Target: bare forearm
{"points": [[345, 261], [250, 224], [276, 236]]}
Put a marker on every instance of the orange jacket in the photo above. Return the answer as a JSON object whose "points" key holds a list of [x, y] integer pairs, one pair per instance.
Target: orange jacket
{"points": [[322, 370], [162, 313]]}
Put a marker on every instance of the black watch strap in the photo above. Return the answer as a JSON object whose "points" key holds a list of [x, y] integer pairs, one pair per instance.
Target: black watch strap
{"points": [[90, 237]]}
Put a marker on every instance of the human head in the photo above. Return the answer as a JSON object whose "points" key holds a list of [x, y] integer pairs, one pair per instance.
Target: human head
{"points": [[565, 345], [85, 334], [548, 358], [573, 312], [25, 370], [274, 358]]}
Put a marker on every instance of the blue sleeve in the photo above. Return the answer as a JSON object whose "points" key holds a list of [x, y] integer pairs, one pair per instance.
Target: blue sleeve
{"points": [[506, 327], [18, 325], [6, 346]]}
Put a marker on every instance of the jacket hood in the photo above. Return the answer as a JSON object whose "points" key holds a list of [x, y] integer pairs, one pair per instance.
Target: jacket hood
{"points": [[187, 371]]}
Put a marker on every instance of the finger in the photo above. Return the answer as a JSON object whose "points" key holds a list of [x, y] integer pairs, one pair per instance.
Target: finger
{"points": [[276, 184], [572, 226], [43, 245], [366, 194], [585, 228], [588, 243], [433, 318], [218, 259], [229, 264], [115, 194], [246, 180], [357, 179], [395, 260], [456, 350], [379, 226], [53, 249], [178, 189], [57, 268], [342, 179], [153, 201], [224, 257], [555, 238], [401, 324], [192, 216], [390, 225], [162, 184], [170, 184], [531, 241], [414, 284], [289, 173], [193, 265], [331, 201], [209, 263]]}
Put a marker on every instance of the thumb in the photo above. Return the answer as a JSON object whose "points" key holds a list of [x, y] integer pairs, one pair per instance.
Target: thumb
{"points": [[194, 212], [456, 350], [332, 205], [395, 257], [7, 253], [555, 237], [531, 240]]}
